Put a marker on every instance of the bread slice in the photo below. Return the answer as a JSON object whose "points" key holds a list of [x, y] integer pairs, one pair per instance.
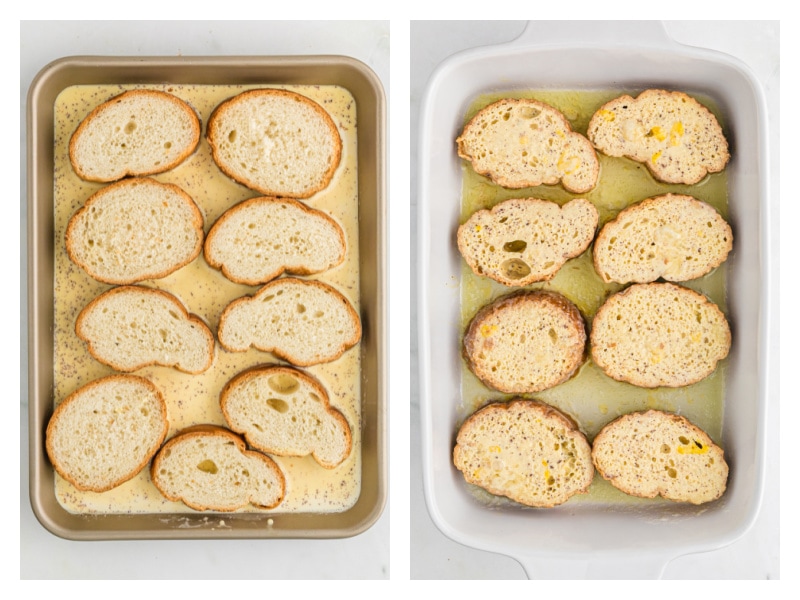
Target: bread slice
{"points": [[210, 468], [134, 230], [524, 143], [655, 453], [283, 411], [261, 238], [104, 433], [526, 342], [277, 142], [674, 237], [131, 327], [522, 241], [659, 334], [678, 139], [525, 450], [303, 322], [139, 132]]}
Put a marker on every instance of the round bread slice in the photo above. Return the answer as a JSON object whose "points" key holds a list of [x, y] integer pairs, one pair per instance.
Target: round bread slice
{"points": [[261, 238], [104, 433], [139, 132], [655, 453], [131, 327], [674, 237], [522, 241], [134, 230], [277, 142], [285, 412], [210, 468], [659, 334], [526, 342], [524, 143], [678, 139], [525, 450], [303, 322]]}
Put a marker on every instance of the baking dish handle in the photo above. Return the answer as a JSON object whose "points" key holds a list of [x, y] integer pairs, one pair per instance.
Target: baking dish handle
{"points": [[645, 565], [605, 33]]}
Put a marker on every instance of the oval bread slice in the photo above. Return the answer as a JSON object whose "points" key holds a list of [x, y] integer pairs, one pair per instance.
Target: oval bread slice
{"points": [[261, 238], [524, 143], [525, 450], [104, 433], [303, 322], [678, 139], [522, 241], [283, 411], [277, 142], [139, 132], [659, 334], [674, 237], [134, 230], [210, 468], [655, 453], [131, 327], [526, 342]]}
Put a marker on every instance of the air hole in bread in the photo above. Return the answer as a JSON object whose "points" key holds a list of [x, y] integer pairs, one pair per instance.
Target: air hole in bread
{"points": [[283, 383], [515, 246], [208, 466], [515, 268], [277, 404], [301, 308]]}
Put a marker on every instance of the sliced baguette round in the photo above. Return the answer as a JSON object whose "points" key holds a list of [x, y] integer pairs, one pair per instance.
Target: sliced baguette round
{"points": [[104, 433], [678, 139], [139, 132], [525, 342], [653, 453], [522, 241], [285, 412], [304, 322], [524, 143], [673, 237], [659, 334], [210, 468], [262, 238], [277, 142], [134, 230], [525, 450], [131, 327]]}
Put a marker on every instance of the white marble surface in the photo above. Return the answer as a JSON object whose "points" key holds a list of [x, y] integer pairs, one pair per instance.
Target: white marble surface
{"points": [[756, 554], [44, 556]]}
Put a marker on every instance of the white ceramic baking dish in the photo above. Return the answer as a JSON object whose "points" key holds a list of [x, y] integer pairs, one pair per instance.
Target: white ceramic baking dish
{"points": [[589, 539]]}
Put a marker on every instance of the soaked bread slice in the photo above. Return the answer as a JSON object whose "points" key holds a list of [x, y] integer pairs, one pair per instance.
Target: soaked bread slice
{"points": [[134, 230], [524, 143], [678, 139], [277, 142], [104, 433], [131, 327], [210, 468], [654, 453], [305, 322], [261, 238], [673, 237], [659, 334], [139, 132], [522, 241], [525, 342], [283, 411], [525, 450]]}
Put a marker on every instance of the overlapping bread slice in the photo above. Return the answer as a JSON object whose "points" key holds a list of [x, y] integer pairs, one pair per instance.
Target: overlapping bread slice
{"points": [[657, 453], [104, 433], [286, 412], [525, 450], [130, 327], [139, 132], [210, 468], [522, 241], [134, 230], [521, 143]]}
